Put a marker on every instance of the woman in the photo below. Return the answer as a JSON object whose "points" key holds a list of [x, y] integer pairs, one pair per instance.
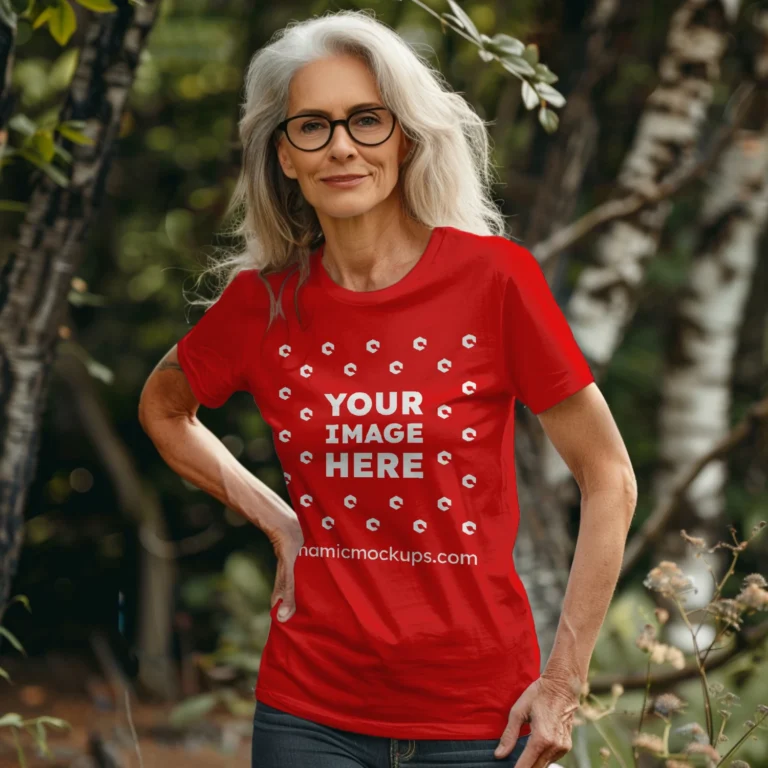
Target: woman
{"points": [[384, 327]]}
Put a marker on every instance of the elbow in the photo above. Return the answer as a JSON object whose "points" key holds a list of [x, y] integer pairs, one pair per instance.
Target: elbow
{"points": [[619, 480], [627, 483]]}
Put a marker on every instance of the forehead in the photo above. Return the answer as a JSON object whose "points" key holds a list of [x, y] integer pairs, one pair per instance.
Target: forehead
{"points": [[316, 85]]}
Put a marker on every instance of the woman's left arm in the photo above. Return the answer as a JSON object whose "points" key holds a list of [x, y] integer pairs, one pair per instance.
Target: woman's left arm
{"points": [[582, 430]]}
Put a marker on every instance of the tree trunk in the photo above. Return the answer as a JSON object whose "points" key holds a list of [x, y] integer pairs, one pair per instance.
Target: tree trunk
{"points": [[36, 277], [605, 295], [700, 352]]}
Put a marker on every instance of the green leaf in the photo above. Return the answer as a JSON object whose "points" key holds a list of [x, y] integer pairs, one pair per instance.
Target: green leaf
{"points": [[86, 299], [23, 32], [100, 6], [530, 97], [42, 739], [48, 168], [551, 95], [62, 22], [464, 21], [531, 53], [545, 74], [12, 639], [193, 709], [13, 206], [23, 599], [99, 371], [76, 136], [42, 144], [548, 119], [11, 719], [517, 66], [56, 722], [506, 45], [42, 18], [4, 674], [7, 14], [22, 124]]}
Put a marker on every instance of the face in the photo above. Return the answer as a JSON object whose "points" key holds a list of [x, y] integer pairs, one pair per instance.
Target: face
{"points": [[316, 87]]}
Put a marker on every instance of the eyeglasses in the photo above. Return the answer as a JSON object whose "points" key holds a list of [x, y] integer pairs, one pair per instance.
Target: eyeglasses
{"points": [[369, 127]]}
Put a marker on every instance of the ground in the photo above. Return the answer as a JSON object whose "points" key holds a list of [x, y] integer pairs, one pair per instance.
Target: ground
{"points": [[67, 688]]}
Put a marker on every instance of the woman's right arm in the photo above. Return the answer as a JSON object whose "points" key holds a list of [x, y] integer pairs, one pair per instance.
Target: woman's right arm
{"points": [[168, 414]]}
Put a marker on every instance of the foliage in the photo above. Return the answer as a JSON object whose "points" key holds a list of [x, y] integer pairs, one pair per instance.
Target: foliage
{"points": [[240, 598], [34, 726], [690, 744]]}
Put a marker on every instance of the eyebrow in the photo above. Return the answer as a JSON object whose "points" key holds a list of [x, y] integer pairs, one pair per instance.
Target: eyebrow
{"points": [[350, 110]]}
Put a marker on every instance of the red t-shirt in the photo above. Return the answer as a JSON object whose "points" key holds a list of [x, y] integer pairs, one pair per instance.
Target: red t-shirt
{"points": [[392, 416]]}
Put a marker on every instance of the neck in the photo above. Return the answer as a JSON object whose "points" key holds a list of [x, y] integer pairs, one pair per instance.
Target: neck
{"points": [[364, 254]]}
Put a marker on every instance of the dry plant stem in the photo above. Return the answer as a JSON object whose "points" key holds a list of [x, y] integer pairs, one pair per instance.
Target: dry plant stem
{"points": [[645, 695], [608, 742], [19, 750], [727, 755], [702, 671]]}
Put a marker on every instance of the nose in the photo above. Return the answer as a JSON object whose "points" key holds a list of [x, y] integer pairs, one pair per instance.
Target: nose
{"points": [[341, 142]]}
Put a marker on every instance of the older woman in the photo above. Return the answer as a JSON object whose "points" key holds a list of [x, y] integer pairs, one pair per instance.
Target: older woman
{"points": [[385, 328]]}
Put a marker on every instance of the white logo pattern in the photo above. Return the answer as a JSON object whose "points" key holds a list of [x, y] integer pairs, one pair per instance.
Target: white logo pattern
{"points": [[444, 457]]}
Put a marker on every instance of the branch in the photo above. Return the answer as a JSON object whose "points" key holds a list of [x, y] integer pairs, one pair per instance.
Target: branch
{"points": [[656, 523], [619, 209], [748, 640]]}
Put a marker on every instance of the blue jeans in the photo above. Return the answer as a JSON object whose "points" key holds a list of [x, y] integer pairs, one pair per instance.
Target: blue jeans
{"points": [[282, 740]]}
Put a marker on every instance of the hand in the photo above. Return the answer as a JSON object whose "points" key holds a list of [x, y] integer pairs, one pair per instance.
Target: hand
{"points": [[549, 705], [287, 539]]}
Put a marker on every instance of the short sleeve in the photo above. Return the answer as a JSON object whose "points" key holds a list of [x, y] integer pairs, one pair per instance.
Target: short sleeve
{"points": [[211, 353], [543, 362]]}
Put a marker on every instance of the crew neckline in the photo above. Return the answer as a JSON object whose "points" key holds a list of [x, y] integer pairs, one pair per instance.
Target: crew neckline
{"points": [[415, 275]]}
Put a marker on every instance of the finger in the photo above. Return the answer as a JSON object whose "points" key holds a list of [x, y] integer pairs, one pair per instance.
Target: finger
{"points": [[534, 755], [511, 733], [551, 754]]}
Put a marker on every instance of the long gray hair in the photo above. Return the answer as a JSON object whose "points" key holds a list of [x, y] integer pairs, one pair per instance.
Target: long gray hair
{"points": [[446, 178]]}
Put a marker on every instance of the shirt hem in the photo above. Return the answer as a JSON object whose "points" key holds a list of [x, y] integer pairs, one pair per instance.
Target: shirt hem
{"points": [[367, 727]]}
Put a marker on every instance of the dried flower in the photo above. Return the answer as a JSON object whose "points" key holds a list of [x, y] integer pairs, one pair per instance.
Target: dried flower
{"points": [[728, 611], [662, 615], [695, 541], [729, 699], [617, 689], [739, 764], [590, 712], [668, 704], [755, 579], [697, 748], [667, 579], [605, 753], [753, 597], [649, 742], [647, 638], [693, 731], [675, 657]]}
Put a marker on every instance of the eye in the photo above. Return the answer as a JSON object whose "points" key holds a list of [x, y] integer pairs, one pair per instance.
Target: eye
{"points": [[305, 129], [375, 120]]}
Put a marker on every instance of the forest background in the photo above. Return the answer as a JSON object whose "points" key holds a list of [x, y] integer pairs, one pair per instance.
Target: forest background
{"points": [[631, 142]]}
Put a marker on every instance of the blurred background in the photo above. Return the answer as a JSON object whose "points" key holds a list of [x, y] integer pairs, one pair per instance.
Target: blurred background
{"points": [[631, 146]]}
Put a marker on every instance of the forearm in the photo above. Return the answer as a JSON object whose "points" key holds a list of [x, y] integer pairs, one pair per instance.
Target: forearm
{"points": [[197, 455], [605, 518]]}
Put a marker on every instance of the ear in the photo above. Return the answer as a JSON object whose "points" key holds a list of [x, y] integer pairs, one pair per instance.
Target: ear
{"points": [[284, 159], [405, 147]]}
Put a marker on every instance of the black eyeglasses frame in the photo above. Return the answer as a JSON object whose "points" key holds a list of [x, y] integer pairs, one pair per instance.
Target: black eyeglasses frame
{"points": [[283, 126]]}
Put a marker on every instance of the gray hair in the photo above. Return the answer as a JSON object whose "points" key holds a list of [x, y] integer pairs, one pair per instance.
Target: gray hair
{"points": [[446, 178]]}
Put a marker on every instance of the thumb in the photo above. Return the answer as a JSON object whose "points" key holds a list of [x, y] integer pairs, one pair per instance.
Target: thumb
{"points": [[511, 732]]}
